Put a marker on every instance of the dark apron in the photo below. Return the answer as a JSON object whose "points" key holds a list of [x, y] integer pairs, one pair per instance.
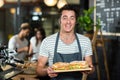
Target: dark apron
{"points": [[58, 57]]}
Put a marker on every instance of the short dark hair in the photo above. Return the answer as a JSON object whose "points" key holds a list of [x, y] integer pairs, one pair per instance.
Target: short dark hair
{"points": [[69, 7], [25, 26]]}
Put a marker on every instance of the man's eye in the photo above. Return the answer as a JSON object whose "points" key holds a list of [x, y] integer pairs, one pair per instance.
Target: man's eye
{"points": [[64, 17], [72, 18]]}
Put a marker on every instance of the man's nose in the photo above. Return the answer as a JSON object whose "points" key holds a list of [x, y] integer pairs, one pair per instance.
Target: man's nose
{"points": [[68, 21]]}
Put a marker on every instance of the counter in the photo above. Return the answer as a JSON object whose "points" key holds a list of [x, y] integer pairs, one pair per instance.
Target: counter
{"points": [[25, 77]]}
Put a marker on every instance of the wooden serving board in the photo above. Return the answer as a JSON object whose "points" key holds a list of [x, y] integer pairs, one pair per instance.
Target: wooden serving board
{"points": [[59, 71]]}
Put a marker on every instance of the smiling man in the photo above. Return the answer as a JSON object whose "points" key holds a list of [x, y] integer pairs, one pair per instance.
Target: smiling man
{"points": [[64, 46]]}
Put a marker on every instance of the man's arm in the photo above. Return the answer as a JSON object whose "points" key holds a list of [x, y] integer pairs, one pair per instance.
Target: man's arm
{"points": [[24, 49], [89, 60], [12, 44], [41, 66]]}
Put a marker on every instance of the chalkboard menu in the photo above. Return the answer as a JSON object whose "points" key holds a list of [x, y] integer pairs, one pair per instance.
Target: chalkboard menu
{"points": [[109, 13]]}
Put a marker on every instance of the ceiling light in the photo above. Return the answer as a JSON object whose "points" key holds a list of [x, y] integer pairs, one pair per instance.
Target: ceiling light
{"points": [[61, 3], [1, 3], [50, 2], [35, 18], [37, 9], [12, 10]]}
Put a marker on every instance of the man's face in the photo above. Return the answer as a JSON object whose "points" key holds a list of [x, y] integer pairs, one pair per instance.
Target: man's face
{"points": [[67, 20], [26, 32]]}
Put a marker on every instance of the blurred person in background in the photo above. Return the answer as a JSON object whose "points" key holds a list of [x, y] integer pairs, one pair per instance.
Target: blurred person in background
{"points": [[35, 43], [19, 43]]}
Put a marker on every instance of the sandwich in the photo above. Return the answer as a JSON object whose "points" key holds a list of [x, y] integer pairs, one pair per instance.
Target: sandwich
{"points": [[78, 65], [70, 66], [60, 66]]}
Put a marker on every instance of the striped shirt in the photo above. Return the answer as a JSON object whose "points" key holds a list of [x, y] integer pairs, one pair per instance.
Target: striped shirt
{"points": [[48, 46]]}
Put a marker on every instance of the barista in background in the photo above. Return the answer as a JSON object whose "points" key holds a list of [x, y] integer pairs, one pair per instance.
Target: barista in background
{"points": [[35, 43], [19, 42]]}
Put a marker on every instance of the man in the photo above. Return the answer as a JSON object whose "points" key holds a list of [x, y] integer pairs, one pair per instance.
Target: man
{"points": [[64, 46], [19, 42]]}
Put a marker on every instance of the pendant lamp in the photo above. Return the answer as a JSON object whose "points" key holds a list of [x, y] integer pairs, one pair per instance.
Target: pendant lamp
{"points": [[50, 2], [1, 3], [61, 3]]}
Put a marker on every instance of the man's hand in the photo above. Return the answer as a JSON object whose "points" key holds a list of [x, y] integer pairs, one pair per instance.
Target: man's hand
{"points": [[24, 49], [91, 71], [51, 73]]}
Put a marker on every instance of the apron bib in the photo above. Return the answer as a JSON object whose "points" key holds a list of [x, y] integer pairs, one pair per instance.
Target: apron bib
{"points": [[59, 57]]}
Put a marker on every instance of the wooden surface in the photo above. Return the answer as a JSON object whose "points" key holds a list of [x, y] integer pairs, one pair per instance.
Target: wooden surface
{"points": [[29, 72], [25, 77]]}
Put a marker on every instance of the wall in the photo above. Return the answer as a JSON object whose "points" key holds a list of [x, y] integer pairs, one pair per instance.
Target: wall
{"points": [[2, 26], [107, 11]]}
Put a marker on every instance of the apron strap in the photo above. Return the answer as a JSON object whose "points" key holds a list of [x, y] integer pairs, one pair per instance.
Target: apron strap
{"points": [[56, 43], [79, 47]]}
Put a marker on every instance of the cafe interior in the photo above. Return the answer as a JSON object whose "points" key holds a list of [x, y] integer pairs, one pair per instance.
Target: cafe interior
{"points": [[44, 13]]}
